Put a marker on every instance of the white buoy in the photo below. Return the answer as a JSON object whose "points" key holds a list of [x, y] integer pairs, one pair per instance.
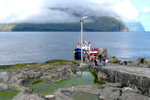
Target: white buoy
{"points": [[49, 96], [72, 88]]}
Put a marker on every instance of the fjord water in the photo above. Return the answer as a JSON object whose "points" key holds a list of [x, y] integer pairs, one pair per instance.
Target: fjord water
{"points": [[30, 47]]}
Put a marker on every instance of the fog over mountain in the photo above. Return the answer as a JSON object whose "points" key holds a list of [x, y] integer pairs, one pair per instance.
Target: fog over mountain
{"points": [[63, 11]]}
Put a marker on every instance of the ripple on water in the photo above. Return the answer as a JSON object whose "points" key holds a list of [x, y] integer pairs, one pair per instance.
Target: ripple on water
{"points": [[3, 73], [23, 71]]}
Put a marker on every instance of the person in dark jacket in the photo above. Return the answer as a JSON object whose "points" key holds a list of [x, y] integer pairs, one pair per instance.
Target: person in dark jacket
{"points": [[100, 58], [96, 61], [83, 57]]}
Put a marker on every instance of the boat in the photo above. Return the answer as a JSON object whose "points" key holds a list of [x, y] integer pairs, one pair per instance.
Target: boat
{"points": [[86, 47], [83, 46]]}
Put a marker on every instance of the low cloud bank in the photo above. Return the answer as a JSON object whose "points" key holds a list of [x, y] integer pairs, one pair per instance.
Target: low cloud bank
{"points": [[63, 11]]}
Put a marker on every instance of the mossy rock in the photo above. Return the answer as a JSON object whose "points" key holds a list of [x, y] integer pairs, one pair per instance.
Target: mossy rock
{"points": [[113, 60], [9, 95]]}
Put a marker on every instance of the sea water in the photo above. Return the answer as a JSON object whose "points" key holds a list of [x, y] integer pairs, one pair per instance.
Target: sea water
{"points": [[31, 47]]}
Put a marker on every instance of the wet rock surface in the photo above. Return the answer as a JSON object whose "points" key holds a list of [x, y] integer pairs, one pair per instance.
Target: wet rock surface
{"points": [[134, 77], [103, 92], [19, 79], [140, 62]]}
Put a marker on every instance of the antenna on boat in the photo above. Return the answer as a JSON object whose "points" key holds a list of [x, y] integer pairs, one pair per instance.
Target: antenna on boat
{"points": [[79, 39], [82, 37]]}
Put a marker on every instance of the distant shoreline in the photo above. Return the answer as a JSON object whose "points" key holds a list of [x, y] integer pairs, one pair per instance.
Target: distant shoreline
{"points": [[70, 31]]}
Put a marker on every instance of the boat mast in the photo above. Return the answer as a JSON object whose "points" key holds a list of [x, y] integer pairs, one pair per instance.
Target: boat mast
{"points": [[79, 39], [82, 38]]}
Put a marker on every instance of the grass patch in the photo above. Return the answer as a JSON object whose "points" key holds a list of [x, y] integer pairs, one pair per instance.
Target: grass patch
{"points": [[17, 66], [9, 95], [54, 63], [52, 68], [116, 62], [61, 61], [5, 67]]}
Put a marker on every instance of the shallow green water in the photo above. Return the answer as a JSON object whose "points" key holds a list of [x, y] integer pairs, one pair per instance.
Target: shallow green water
{"points": [[9, 95], [45, 88], [84, 96]]}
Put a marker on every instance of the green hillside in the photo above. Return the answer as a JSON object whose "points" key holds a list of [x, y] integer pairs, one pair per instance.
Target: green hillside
{"points": [[99, 24], [7, 27]]}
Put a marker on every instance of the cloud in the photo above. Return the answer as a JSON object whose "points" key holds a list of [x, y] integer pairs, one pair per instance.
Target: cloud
{"points": [[126, 10], [60, 11], [145, 10]]}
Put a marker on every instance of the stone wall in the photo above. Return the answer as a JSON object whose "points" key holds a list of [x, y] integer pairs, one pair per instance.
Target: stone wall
{"points": [[142, 83]]}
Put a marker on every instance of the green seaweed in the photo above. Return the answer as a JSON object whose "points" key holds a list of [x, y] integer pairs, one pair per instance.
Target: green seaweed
{"points": [[75, 72], [96, 79], [52, 68], [116, 62], [36, 82], [75, 75], [9, 95], [98, 82]]}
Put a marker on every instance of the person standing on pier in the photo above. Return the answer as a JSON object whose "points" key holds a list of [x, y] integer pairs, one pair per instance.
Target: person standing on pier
{"points": [[84, 57], [92, 57], [104, 61], [100, 57]]}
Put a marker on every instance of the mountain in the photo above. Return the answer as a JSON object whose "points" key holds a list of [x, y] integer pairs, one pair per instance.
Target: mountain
{"points": [[104, 23], [135, 26]]}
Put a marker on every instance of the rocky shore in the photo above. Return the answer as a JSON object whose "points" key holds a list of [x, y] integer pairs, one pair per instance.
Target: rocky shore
{"points": [[140, 62], [18, 79]]}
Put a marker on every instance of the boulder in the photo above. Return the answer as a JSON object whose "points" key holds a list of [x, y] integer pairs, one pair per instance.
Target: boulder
{"points": [[109, 93], [135, 63], [44, 67], [32, 75], [23, 95], [141, 62], [143, 65], [146, 61], [113, 59], [140, 59], [28, 90], [101, 76], [123, 62], [28, 67], [8, 87], [132, 96]]}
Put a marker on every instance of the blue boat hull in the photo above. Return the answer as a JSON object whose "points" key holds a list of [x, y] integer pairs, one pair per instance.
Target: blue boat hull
{"points": [[77, 53]]}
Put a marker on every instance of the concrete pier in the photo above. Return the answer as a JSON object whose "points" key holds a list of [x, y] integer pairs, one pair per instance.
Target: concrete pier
{"points": [[137, 78], [134, 77]]}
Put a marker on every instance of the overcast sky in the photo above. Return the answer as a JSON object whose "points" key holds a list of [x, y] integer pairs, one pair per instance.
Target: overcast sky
{"points": [[54, 11]]}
